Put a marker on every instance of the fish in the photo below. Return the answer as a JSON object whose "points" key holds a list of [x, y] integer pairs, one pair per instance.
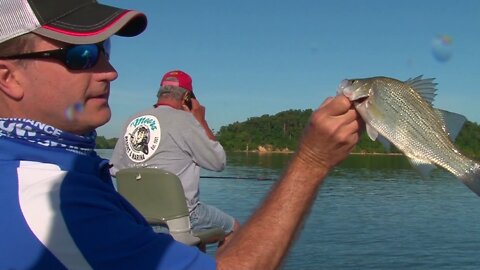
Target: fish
{"points": [[402, 113]]}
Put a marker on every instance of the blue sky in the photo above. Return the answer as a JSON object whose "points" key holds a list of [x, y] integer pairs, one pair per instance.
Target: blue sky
{"points": [[249, 58]]}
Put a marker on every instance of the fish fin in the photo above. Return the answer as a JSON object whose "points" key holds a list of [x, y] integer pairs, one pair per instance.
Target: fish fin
{"points": [[424, 87], [372, 132], [375, 136], [472, 179], [385, 142], [422, 166], [452, 122]]}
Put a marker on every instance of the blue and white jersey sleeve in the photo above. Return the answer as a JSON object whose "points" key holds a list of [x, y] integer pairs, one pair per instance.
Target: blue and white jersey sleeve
{"points": [[64, 213]]}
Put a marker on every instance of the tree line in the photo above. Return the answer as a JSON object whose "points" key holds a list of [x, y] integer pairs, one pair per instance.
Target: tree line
{"points": [[104, 143], [281, 132]]}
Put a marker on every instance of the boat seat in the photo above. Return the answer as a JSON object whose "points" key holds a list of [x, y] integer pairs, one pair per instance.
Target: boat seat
{"points": [[158, 195]]}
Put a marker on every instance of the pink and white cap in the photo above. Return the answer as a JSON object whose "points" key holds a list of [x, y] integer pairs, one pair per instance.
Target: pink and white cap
{"points": [[69, 21]]}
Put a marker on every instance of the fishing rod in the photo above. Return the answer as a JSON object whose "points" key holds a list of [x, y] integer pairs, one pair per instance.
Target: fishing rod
{"points": [[240, 177]]}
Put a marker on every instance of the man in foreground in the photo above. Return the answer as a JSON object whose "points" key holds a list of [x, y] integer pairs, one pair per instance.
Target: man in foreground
{"points": [[60, 210], [174, 135]]}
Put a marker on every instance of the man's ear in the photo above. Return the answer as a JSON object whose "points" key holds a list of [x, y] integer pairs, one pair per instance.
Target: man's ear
{"points": [[8, 82]]}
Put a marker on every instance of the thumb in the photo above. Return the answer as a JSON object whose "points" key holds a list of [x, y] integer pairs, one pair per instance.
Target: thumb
{"points": [[326, 101], [337, 105]]}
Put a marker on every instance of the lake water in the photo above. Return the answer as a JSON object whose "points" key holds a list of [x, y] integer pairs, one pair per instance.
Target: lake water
{"points": [[373, 212]]}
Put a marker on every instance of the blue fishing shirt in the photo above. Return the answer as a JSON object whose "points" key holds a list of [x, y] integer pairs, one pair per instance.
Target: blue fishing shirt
{"points": [[61, 211]]}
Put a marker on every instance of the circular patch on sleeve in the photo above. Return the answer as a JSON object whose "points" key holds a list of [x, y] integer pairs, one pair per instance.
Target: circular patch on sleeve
{"points": [[142, 138]]}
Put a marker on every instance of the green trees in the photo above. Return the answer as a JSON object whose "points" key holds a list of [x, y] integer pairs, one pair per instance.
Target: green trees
{"points": [[103, 143], [282, 132], [279, 132], [468, 140]]}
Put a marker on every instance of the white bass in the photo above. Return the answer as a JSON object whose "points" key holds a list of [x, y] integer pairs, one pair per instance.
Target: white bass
{"points": [[402, 113]]}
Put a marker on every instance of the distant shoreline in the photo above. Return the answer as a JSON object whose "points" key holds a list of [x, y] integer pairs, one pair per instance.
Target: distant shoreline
{"points": [[291, 152], [378, 154]]}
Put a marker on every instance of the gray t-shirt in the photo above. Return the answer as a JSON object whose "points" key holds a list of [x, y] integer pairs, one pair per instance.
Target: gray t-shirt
{"points": [[172, 140]]}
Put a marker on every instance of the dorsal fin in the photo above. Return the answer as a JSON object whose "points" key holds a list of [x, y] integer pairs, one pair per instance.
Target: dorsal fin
{"points": [[424, 87]]}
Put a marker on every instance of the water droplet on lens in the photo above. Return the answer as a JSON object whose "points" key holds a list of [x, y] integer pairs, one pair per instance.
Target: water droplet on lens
{"points": [[78, 107], [442, 48], [73, 110], [314, 48]]}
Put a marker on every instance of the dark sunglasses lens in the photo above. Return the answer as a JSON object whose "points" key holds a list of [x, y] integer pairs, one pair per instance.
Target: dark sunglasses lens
{"points": [[82, 56], [107, 46]]}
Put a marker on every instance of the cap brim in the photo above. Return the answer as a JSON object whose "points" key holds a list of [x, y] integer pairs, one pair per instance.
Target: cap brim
{"points": [[94, 23]]}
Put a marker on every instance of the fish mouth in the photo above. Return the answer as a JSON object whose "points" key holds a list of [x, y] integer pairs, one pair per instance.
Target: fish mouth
{"points": [[347, 89], [359, 99], [343, 88]]}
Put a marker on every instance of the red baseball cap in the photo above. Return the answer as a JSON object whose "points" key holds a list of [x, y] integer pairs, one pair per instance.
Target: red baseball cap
{"points": [[177, 78]]}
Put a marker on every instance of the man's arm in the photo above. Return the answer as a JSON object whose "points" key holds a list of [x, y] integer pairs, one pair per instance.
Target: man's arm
{"points": [[263, 242], [206, 151], [198, 112]]}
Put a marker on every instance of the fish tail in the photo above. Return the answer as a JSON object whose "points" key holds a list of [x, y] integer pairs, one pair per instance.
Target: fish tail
{"points": [[472, 178]]}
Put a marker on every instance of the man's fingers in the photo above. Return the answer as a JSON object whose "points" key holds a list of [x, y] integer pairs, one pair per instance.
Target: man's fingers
{"points": [[326, 101], [338, 105], [354, 126], [195, 102]]}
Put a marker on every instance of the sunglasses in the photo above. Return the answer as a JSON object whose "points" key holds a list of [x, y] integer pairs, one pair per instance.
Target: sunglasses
{"points": [[74, 57]]}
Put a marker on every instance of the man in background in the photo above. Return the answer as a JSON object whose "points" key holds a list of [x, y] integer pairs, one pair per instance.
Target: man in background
{"points": [[180, 141]]}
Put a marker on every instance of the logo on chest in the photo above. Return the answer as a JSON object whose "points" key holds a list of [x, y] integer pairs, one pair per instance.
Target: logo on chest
{"points": [[142, 138]]}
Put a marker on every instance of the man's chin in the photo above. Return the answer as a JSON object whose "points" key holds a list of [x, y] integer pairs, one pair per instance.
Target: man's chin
{"points": [[103, 118], [88, 122]]}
